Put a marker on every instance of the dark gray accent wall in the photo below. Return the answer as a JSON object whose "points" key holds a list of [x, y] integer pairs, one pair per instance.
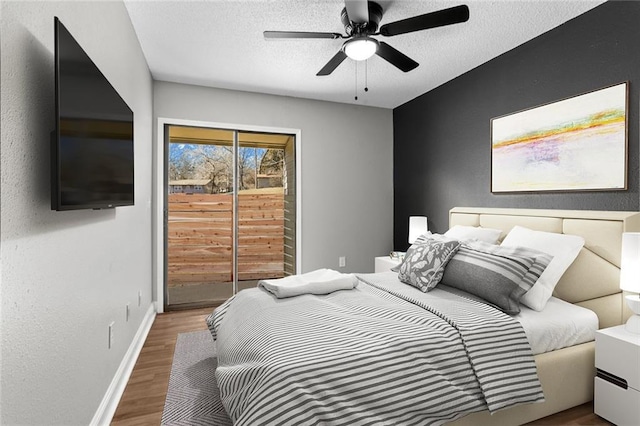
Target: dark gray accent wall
{"points": [[442, 142]]}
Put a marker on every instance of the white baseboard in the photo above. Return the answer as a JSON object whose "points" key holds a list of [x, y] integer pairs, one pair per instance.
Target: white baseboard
{"points": [[110, 401]]}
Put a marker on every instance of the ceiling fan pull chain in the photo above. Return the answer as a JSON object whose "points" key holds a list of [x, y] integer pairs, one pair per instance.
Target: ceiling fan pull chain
{"points": [[366, 75], [356, 80]]}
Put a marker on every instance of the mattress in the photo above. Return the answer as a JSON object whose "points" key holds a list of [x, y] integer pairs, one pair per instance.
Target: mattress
{"points": [[559, 325]]}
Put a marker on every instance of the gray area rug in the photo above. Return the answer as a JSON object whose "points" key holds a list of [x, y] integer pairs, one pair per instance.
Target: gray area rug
{"points": [[193, 397]]}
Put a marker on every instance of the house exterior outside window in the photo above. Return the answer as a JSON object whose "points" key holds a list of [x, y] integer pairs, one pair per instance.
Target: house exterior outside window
{"points": [[190, 186]]}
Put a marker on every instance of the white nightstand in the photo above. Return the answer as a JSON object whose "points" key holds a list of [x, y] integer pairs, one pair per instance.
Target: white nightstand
{"points": [[617, 382], [385, 263]]}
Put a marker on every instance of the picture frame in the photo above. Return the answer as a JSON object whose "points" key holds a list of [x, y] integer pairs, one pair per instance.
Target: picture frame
{"points": [[574, 144]]}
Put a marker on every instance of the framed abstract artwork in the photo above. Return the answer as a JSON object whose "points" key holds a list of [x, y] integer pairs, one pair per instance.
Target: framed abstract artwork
{"points": [[575, 144]]}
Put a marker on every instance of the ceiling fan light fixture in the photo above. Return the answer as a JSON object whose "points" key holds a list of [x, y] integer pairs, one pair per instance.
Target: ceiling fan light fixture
{"points": [[361, 48]]}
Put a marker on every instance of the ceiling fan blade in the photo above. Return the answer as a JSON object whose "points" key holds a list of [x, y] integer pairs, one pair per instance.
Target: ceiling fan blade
{"points": [[395, 57], [453, 15], [357, 10], [299, 34], [333, 63]]}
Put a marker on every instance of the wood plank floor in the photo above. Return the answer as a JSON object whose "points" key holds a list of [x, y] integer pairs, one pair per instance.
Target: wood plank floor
{"points": [[143, 398]]}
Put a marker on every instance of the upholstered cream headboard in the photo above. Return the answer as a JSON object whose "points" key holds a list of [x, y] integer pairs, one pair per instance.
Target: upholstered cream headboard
{"points": [[593, 279]]}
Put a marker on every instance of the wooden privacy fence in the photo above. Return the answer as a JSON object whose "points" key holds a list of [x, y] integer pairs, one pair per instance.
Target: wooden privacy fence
{"points": [[200, 238]]}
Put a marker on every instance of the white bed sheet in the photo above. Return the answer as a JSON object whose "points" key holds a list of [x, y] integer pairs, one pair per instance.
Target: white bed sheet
{"points": [[559, 325]]}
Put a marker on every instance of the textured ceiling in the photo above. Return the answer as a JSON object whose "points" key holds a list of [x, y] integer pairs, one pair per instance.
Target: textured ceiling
{"points": [[220, 44]]}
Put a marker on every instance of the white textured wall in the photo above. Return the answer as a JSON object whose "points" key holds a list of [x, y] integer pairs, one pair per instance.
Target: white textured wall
{"points": [[66, 275], [347, 165]]}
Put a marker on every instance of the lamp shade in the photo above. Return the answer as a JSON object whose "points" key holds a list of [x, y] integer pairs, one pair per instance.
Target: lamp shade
{"points": [[417, 226], [630, 262], [360, 48]]}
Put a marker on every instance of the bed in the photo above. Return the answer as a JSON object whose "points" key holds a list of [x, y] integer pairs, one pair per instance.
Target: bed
{"points": [[565, 375], [592, 281]]}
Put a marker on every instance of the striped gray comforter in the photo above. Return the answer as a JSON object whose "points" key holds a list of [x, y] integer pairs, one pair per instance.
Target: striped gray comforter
{"points": [[381, 354]]}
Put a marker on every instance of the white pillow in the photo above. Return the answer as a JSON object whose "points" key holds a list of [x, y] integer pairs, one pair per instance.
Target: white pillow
{"points": [[564, 249], [465, 233]]}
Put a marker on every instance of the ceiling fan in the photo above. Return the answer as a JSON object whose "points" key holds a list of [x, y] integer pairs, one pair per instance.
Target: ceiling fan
{"points": [[361, 19]]}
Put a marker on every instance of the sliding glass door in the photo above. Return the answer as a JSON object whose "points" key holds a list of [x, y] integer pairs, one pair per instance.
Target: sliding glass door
{"points": [[230, 213]]}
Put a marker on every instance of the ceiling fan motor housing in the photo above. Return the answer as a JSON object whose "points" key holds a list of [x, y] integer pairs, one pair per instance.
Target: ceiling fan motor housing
{"points": [[363, 28]]}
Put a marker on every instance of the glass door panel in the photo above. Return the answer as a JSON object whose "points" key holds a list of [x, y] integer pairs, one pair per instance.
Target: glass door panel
{"points": [[199, 216], [261, 186]]}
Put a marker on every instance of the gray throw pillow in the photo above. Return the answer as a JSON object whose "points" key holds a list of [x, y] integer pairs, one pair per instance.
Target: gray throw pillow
{"points": [[424, 263], [500, 275]]}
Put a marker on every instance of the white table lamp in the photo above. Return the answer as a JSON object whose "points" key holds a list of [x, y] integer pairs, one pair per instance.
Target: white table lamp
{"points": [[630, 277], [417, 226]]}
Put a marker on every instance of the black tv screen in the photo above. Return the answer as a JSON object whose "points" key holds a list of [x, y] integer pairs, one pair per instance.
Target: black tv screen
{"points": [[92, 145]]}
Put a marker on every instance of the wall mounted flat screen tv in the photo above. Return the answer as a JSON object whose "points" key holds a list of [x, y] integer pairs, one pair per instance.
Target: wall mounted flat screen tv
{"points": [[92, 145]]}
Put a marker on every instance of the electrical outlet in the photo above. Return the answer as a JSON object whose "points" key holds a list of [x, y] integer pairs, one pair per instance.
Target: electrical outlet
{"points": [[127, 316], [139, 298], [111, 337], [342, 261]]}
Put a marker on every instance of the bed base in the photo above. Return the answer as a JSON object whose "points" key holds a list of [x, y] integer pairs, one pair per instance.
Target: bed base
{"points": [[566, 376]]}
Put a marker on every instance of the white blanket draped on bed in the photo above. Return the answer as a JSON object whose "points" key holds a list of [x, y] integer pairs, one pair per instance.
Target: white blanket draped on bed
{"points": [[373, 355]]}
